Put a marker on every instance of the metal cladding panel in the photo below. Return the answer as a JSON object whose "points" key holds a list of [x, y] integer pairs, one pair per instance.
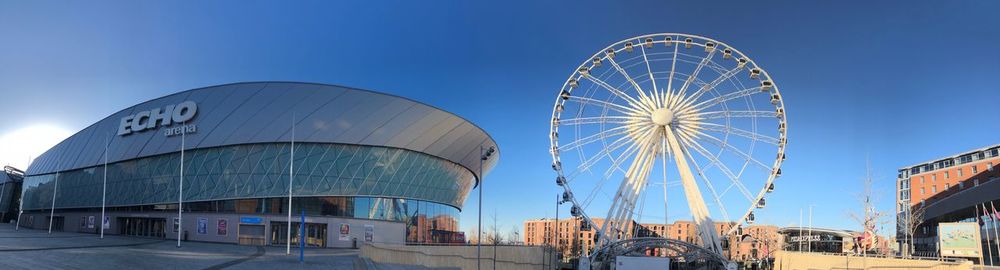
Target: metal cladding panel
{"points": [[224, 110], [135, 143], [244, 113], [444, 125], [288, 98], [357, 119], [278, 128], [428, 120], [371, 122], [385, 133], [245, 120], [450, 138], [325, 123], [218, 96]]}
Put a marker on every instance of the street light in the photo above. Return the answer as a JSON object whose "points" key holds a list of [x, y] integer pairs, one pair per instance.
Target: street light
{"points": [[484, 155]]}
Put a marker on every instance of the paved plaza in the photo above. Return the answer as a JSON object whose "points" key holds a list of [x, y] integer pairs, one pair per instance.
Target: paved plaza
{"points": [[36, 249]]}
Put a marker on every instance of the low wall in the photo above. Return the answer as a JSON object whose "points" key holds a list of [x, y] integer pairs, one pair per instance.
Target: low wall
{"points": [[461, 257], [787, 260]]}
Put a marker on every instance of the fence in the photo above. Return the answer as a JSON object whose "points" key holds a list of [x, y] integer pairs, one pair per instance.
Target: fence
{"points": [[462, 257], [788, 260]]}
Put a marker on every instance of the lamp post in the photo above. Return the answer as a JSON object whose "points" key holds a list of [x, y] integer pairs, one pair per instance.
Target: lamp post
{"points": [[484, 155]]}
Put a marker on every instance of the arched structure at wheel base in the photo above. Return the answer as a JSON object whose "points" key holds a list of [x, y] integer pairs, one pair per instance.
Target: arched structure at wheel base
{"points": [[678, 251]]}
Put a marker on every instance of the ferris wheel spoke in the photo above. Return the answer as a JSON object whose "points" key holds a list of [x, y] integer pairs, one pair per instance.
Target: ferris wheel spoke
{"points": [[663, 165], [718, 164], [673, 69], [722, 99], [696, 202], [711, 85], [604, 104], [693, 76], [649, 71], [635, 85], [617, 93], [710, 186], [598, 120], [622, 198], [721, 144], [615, 164], [732, 114], [605, 152], [739, 132], [634, 191], [616, 131]]}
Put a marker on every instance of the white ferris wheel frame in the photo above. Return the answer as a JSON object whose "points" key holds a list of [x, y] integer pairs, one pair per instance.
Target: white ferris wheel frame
{"points": [[622, 209]]}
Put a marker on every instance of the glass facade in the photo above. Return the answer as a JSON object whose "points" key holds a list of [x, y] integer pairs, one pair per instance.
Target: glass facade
{"points": [[255, 171]]}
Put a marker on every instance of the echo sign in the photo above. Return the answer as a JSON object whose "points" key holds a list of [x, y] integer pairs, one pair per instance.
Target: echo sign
{"points": [[152, 119]]}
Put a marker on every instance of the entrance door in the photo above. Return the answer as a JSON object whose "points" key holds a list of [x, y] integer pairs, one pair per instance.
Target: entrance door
{"points": [[142, 227], [57, 222], [315, 234], [251, 234]]}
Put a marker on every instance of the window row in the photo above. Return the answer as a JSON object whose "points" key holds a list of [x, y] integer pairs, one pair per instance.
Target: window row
{"points": [[256, 171]]}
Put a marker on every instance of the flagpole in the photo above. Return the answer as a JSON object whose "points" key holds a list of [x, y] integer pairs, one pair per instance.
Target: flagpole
{"points": [[104, 191], [52, 213], [800, 229], [3, 190], [979, 226], [291, 160], [994, 218], [180, 190], [20, 205], [989, 249]]}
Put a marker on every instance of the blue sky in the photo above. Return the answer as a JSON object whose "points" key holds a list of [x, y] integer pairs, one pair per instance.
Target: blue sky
{"points": [[899, 82]]}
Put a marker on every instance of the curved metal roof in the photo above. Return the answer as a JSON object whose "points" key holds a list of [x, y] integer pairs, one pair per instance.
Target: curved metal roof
{"points": [[841, 233], [262, 112]]}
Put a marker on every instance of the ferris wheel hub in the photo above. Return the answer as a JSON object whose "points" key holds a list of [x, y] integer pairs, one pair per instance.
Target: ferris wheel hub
{"points": [[662, 117]]}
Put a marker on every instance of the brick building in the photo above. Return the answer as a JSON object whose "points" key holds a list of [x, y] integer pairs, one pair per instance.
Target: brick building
{"points": [[575, 239]]}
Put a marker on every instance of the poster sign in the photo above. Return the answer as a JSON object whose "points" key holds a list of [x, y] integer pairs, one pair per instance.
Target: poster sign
{"points": [[223, 227], [107, 222], [202, 226], [369, 232], [960, 239], [90, 222], [345, 231], [177, 223]]}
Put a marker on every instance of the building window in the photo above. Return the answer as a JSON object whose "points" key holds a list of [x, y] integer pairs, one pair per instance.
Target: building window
{"points": [[934, 189], [961, 185], [921, 179], [946, 175], [960, 172], [934, 177], [989, 166], [947, 186], [975, 182], [975, 169], [922, 191]]}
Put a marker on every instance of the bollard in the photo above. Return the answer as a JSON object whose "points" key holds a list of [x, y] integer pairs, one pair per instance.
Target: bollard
{"points": [[354, 243]]}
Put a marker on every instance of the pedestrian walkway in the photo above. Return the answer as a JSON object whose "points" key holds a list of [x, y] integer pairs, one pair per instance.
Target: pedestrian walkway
{"points": [[37, 249]]}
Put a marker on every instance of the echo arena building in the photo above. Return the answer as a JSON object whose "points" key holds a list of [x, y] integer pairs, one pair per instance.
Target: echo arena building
{"points": [[362, 166]]}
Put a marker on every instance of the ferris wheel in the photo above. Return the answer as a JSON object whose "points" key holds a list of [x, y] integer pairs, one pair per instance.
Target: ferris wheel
{"points": [[655, 115]]}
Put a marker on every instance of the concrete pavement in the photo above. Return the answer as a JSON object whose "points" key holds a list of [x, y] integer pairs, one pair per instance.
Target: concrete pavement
{"points": [[36, 249]]}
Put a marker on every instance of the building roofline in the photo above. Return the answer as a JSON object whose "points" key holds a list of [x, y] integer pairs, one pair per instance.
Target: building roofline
{"points": [[951, 156]]}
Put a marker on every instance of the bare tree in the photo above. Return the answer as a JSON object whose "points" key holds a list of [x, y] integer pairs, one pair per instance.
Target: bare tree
{"points": [[869, 218], [914, 218], [514, 235]]}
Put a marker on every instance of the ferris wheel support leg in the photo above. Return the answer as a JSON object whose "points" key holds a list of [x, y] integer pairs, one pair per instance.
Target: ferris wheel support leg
{"points": [[706, 227]]}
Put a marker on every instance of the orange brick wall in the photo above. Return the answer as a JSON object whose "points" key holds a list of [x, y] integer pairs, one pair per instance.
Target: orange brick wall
{"points": [[946, 185]]}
